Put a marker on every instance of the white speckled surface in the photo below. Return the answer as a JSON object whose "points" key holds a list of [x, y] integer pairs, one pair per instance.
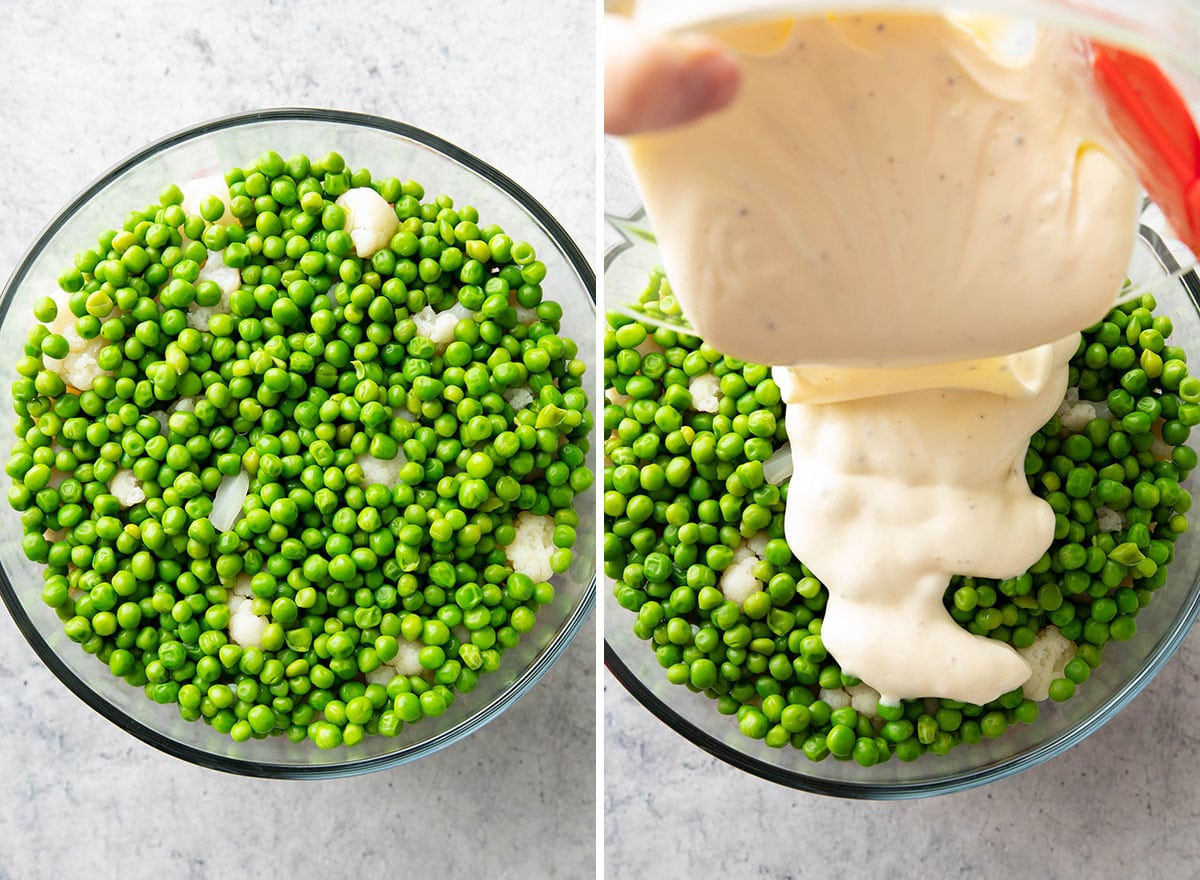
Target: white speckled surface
{"points": [[512, 82]]}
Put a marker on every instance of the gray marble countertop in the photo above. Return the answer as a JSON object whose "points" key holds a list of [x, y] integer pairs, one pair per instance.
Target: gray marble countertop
{"points": [[1123, 803], [85, 85]]}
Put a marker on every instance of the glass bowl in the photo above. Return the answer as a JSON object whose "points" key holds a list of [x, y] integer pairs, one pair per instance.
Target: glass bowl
{"points": [[1161, 266], [387, 148]]}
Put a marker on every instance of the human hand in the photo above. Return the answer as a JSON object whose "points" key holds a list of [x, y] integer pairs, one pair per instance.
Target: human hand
{"points": [[654, 81]]}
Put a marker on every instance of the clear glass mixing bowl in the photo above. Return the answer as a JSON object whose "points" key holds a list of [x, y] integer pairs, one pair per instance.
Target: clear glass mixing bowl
{"points": [[387, 148], [1165, 31]]}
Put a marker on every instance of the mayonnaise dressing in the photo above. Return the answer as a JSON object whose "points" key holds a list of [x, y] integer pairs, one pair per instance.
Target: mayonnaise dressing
{"points": [[892, 495], [892, 190], [918, 220]]}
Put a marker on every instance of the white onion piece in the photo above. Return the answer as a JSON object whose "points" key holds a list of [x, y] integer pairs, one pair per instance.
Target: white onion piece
{"points": [[778, 467], [227, 503]]}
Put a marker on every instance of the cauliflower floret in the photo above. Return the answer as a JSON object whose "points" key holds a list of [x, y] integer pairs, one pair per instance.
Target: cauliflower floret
{"points": [[864, 699], [382, 675], [127, 489], [245, 627], [758, 544], [1074, 414], [229, 280], [439, 326], [378, 470], [183, 404], [837, 698], [529, 552], [197, 190], [80, 368], [407, 660], [1077, 417], [225, 277], [519, 397], [1048, 656], [737, 580], [198, 316], [706, 393], [370, 220]]}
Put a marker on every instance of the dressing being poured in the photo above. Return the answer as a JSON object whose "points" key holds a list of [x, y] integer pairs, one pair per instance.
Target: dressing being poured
{"points": [[910, 215]]}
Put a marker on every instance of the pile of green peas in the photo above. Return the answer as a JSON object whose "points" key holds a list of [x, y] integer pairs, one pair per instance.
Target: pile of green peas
{"points": [[317, 362], [683, 489]]}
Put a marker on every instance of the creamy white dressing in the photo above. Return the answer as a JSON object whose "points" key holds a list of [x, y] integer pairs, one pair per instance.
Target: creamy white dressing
{"points": [[890, 190], [918, 220], [892, 495]]}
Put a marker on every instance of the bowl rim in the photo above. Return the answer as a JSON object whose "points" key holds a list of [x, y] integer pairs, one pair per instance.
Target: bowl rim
{"points": [[478, 718], [1025, 760]]}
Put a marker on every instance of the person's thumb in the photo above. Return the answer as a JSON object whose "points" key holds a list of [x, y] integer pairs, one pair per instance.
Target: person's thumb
{"points": [[653, 81]]}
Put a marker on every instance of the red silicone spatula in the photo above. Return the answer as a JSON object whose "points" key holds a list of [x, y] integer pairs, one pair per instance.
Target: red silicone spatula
{"points": [[1153, 119]]}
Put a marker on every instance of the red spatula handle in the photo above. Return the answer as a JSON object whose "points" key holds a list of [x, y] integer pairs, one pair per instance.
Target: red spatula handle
{"points": [[1152, 117]]}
